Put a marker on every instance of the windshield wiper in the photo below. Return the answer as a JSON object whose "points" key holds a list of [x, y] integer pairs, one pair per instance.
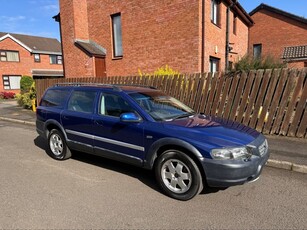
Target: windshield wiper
{"points": [[183, 115]]}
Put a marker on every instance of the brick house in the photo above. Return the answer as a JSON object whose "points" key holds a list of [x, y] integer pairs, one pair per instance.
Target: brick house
{"points": [[109, 38], [20, 55], [279, 34]]}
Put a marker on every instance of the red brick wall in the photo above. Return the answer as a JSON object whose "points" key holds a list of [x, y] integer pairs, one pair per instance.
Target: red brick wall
{"points": [[26, 62], [215, 37], [154, 33], [76, 62], [274, 32]]}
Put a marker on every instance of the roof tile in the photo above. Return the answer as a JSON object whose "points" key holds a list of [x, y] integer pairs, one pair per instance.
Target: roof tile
{"points": [[39, 44], [294, 52]]}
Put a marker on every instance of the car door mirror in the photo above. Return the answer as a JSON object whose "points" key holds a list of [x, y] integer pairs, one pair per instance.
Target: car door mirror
{"points": [[130, 117]]}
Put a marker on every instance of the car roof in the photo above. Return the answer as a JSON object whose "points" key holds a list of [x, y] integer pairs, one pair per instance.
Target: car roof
{"points": [[115, 87]]}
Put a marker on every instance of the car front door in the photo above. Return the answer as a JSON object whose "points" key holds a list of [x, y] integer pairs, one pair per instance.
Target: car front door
{"points": [[113, 138]]}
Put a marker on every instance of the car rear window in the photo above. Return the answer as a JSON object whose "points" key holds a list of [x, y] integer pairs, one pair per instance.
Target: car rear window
{"points": [[55, 98]]}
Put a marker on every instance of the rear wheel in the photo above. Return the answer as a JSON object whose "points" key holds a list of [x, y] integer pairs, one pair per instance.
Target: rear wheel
{"points": [[57, 145], [178, 175]]}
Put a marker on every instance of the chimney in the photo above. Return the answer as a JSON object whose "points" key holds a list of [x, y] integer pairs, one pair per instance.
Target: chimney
{"points": [[80, 19]]}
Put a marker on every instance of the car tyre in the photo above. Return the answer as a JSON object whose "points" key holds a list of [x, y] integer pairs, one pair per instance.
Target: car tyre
{"points": [[178, 175], [58, 148]]}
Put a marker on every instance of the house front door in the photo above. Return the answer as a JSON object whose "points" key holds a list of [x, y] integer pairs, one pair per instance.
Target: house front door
{"points": [[100, 67]]}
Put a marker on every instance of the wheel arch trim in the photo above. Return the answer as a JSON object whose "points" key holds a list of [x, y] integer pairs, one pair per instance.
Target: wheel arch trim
{"points": [[152, 153], [55, 123]]}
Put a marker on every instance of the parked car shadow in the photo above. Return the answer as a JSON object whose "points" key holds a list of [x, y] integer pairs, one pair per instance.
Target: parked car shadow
{"points": [[145, 176]]}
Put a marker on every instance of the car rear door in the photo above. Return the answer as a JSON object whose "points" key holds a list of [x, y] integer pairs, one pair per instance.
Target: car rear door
{"points": [[77, 119]]}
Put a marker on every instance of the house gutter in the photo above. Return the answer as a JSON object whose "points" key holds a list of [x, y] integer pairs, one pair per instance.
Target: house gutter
{"points": [[202, 58], [57, 18], [227, 48]]}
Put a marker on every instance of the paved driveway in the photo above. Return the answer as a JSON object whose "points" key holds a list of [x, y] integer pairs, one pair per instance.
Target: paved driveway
{"points": [[90, 192]]}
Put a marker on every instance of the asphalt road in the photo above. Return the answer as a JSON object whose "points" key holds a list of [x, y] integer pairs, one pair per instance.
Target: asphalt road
{"points": [[90, 192]]}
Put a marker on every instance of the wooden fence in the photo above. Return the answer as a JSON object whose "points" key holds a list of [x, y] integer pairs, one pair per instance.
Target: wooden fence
{"points": [[271, 101]]}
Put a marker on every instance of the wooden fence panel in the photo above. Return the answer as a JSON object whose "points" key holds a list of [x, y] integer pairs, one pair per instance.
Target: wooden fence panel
{"points": [[247, 90], [223, 97], [275, 103], [217, 96], [205, 92], [194, 90], [270, 101], [211, 94], [231, 96], [283, 102], [293, 102], [260, 97], [301, 106], [238, 97], [200, 92]]}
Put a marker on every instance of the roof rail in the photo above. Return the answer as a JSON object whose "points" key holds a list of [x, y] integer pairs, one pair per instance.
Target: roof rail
{"points": [[115, 87], [136, 85]]}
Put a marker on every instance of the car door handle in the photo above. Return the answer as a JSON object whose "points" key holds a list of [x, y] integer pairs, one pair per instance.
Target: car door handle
{"points": [[98, 122], [65, 117]]}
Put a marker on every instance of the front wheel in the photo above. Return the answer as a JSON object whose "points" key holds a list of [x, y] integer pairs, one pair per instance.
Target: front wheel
{"points": [[178, 175], [57, 145]]}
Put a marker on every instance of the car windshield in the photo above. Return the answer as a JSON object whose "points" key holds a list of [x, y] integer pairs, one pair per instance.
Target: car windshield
{"points": [[160, 106]]}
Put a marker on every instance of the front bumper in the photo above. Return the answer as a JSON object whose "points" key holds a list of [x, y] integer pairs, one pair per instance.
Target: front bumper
{"points": [[225, 173]]}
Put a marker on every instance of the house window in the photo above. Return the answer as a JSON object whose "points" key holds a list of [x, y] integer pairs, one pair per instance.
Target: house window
{"points": [[117, 35], [234, 24], [257, 49], [11, 82], [10, 56], [37, 58], [215, 12], [214, 64], [55, 59]]}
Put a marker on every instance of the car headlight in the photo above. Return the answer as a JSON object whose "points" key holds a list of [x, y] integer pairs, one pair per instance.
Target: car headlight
{"points": [[230, 153]]}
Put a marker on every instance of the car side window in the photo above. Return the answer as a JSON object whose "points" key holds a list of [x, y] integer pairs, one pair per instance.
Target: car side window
{"points": [[113, 105], [82, 101], [55, 98]]}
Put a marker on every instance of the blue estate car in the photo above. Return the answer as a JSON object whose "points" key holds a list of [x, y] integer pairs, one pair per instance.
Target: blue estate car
{"points": [[144, 127]]}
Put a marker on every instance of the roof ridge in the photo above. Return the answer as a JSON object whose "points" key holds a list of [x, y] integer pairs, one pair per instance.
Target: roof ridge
{"points": [[35, 36], [278, 11]]}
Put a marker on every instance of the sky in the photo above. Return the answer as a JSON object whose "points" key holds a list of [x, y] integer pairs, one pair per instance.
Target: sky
{"points": [[34, 17], [31, 17], [297, 7]]}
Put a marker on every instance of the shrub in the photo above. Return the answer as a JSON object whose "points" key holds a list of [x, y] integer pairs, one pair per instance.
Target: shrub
{"points": [[7, 95], [25, 84], [250, 63], [24, 100], [27, 92], [162, 71], [32, 91]]}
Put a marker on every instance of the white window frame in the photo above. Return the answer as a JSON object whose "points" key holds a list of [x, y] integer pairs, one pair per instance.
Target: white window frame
{"points": [[6, 54], [214, 64], [117, 38], [215, 12], [58, 59], [37, 58], [11, 82]]}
